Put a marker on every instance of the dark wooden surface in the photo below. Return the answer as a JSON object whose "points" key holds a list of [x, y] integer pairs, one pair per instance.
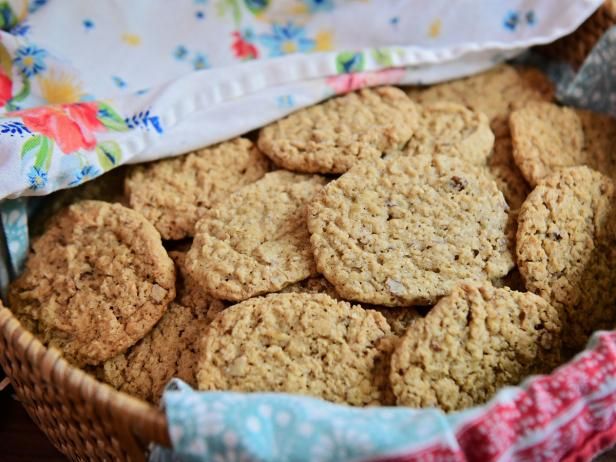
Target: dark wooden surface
{"points": [[20, 439]]}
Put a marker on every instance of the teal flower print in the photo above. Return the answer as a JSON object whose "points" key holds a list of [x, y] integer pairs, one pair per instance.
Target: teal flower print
{"points": [[319, 5], [200, 62], [30, 60], [37, 178], [86, 173], [286, 39]]}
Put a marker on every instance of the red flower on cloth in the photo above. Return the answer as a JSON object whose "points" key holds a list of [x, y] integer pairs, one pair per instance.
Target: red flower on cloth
{"points": [[242, 48], [6, 88], [71, 126]]}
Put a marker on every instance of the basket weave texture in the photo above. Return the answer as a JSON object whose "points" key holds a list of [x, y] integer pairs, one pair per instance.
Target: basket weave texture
{"points": [[90, 421], [84, 419], [574, 48]]}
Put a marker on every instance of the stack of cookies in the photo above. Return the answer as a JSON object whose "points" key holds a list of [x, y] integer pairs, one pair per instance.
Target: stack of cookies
{"points": [[422, 248]]}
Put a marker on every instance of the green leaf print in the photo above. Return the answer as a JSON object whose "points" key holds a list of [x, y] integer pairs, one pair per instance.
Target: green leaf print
{"points": [[110, 118], [348, 61], [7, 17], [40, 147], [109, 155], [382, 56]]}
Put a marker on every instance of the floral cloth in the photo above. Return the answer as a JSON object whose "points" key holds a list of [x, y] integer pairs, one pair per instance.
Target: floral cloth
{"points": [[87, 86]]}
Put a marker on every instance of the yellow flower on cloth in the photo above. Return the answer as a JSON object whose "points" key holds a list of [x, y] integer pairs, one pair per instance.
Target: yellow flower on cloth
{"points": [[58, 87]]}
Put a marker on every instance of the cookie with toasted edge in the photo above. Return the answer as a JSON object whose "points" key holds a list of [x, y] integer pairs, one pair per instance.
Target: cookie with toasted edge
{"points": [[452, 129], [95, 282], [332, 136], [308, 344], [566, 249], [404, 231], [473, 342], [174, 193], [255, 241]]}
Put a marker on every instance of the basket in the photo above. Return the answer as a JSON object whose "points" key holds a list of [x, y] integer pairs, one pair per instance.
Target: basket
{"points": [[88, 420], [83, 418], [574, 48]]}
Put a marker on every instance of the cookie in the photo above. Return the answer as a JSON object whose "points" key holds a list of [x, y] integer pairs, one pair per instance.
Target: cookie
{"points": [[308, 344], [256, 241], [189, 292], [95, 282], [174, 193], [404, 231], [495, 93], [398, 318], [312, 285], [496, 337], [566, 249], [452, 129], [599, 149], [545, 138], [107, 187], [332, 136], [506, 173], [168, 350]]}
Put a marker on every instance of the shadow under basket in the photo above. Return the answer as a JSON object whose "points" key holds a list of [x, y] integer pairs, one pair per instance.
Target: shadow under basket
{"points": [[90, 421]]}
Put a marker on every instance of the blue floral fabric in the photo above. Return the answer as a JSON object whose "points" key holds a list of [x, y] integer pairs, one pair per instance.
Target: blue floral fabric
{"points": [[280, 427]]}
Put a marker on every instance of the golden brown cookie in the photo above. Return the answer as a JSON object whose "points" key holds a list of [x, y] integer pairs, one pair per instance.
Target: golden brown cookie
{"points": [[107, 187], [256, 241], [95, 283], [398, 318], [406, 230], [545, 138], [332, 136], [452, 129], [495, 93], [174, 193], [189, 292], [169, 350], [309, 344], [312, 285], [473, 342], [506, 173], [566, 249], [599, 149]]}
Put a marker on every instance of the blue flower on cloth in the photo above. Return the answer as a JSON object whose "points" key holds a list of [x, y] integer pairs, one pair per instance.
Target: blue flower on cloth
{"points": [[200, 62], [180, 52], [14, 128], [86, 173], [30, 60], [287, 39], [35, 5], [20, 30], [319, 5], [37, 177]]}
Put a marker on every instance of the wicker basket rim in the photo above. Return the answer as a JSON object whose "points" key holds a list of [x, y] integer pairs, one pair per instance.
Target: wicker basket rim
{"points": [[147, 422]]}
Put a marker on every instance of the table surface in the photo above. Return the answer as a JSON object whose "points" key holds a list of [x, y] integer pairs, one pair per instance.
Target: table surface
{"points": [[22, 441]]}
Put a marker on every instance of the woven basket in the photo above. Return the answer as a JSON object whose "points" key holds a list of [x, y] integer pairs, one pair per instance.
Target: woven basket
{"points": [[88, 420], [574, 48], [84, 419]]}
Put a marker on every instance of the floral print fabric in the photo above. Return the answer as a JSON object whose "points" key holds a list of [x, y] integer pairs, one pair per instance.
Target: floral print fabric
{"points": [[85, 87]]}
